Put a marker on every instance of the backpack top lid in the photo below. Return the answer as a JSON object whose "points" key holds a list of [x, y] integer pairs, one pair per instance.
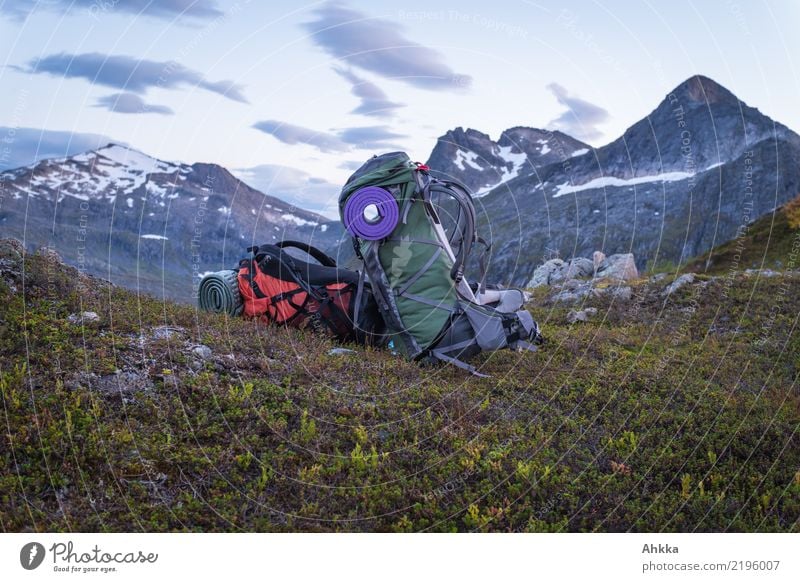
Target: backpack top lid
{"points": [[378, 163], [392, 167]]}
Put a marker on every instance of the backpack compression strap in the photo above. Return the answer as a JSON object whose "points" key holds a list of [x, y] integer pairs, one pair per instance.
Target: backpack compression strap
{"points": [[314, 252]]}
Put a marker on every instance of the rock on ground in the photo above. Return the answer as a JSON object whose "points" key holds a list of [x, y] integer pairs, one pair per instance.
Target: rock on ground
{"points": [[597, 259], [202, 352], [83, 317], [579, 268], [621, 293], [582, 315], [166, 332], [681, 281], [762, 272], [542, 274], [621, 267], [574, 291]]}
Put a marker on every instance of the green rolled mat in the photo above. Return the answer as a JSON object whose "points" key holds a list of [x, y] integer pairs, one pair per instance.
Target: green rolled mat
{"points": [[219, 293]]}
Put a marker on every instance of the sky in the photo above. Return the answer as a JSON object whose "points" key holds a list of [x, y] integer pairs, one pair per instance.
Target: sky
{"points": [[292, 96]]}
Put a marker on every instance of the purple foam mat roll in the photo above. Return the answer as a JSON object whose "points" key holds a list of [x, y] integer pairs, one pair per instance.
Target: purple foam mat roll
{"points": [[359, 225]]}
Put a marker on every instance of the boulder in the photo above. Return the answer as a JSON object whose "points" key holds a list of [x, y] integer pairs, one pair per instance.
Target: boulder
{"points": [[579, 268], [621, 267], [597, 259], [543, 274]]}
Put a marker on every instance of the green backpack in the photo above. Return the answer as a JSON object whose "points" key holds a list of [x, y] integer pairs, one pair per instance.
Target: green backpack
{"points": [[391, 207]]}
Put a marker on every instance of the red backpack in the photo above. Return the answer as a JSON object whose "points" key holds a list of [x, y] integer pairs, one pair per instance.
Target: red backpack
{"points": [[279, 288]]}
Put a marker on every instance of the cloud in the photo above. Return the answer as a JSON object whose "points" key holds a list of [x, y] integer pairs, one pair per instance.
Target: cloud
{"points": [[372, 137], [374, 102], [351, 165], [296, 134], [294, 186], [130, 103], [129, 73], [378, 46], [22, 146], [340, 140], [582, 117], [169, 9]]}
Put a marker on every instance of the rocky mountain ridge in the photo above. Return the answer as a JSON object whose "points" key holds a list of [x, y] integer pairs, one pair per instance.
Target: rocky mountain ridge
{"points": [[684, 179], [473, 158], [145, 223]]}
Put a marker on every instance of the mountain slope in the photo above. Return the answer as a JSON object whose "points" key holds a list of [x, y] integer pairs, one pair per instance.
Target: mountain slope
{"points": [[145, 223], [471, 157], [697, 126], [770, 242], [676, 184]]}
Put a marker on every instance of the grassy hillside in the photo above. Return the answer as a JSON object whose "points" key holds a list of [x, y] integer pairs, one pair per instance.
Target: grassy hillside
{"points": [[674, 415], [770, 242]]}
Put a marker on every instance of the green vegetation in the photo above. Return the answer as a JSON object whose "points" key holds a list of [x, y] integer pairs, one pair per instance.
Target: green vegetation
{"points": [[771, 242], [675, 416]]}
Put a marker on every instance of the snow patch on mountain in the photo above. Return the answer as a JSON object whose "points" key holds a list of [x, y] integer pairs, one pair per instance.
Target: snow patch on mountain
{"points": [[517, 161], [133, 160], [612, 182], [468, 158], [297, 220]]}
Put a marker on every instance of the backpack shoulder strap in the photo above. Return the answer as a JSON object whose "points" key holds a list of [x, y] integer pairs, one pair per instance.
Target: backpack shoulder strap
{"points": [[314, 252]]}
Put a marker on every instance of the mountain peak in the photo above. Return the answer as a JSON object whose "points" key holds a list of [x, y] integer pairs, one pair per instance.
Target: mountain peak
{"points": [[702, 89], [459, 134]]}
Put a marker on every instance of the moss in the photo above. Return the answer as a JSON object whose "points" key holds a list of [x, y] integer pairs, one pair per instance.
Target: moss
{"points": [[654, 416]]}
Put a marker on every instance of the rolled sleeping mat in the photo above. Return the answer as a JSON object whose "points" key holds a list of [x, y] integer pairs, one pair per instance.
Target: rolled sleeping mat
{"points": [[357, 218], [219, 293]]}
